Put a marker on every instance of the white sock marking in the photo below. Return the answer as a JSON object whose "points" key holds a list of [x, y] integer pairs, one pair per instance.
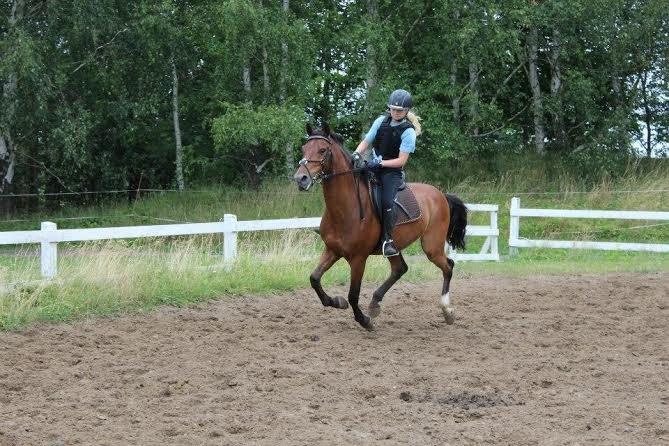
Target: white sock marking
{"points": [[445, 299]]}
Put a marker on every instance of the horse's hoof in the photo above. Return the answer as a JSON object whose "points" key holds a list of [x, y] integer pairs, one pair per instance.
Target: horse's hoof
{"points": [[449, 314], [367, 323], [374, 309], [369, 326], [339, 302]]}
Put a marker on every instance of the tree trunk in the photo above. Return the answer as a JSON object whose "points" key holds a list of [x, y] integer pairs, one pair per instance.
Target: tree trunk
{"points": [[7, 147], [372, 74], [7, 161], [246, 79], [284, 57], [265, 70], [556, 85], [288, 150], [455, 100], [474, 79], [617, 90], [265, 75], [532, 48], [648, 115], [474, 104], [177, 128]]}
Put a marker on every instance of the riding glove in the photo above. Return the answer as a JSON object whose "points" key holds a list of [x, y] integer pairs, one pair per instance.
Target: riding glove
{"points": [[357, 160], [374, 164]]}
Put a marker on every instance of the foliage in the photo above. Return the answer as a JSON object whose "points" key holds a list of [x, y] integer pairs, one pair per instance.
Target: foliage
{"points": [[253, 140], [92, 108]]}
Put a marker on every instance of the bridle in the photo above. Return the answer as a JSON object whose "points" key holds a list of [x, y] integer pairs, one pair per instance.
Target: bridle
{"points": [[323, 176], [327, 156]]}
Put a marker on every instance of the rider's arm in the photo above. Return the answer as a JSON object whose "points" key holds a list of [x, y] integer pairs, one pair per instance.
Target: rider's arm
{"points": [[369, 137], [362, 147], [397, 162]]}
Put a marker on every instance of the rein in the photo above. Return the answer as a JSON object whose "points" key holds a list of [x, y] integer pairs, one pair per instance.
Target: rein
{"points": [[322, 176], [343, 172]]}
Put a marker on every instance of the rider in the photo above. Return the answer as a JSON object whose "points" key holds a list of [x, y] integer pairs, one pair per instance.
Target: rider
{"points": [[393, 137]]}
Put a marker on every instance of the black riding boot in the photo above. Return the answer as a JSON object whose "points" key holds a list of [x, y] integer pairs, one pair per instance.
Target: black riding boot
{"points": [[388, 248]]}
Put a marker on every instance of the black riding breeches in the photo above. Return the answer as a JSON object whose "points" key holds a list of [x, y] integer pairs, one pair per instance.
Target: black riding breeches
{"points": [[391, 180]]}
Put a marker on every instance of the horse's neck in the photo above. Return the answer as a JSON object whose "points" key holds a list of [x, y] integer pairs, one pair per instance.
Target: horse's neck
{"points": [[340, 195]]}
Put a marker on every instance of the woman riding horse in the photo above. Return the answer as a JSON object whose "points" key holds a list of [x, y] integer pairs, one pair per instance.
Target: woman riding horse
{"points": [[350, 228]]}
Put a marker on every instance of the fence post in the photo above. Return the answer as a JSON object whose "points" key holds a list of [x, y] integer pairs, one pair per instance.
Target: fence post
{"points": [[49, 251], [229, 238], [494, 240], [514, 226]]}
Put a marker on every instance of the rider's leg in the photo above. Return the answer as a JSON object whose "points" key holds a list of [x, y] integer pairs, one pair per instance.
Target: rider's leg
{"points": [[389, 248], [390, 181]]}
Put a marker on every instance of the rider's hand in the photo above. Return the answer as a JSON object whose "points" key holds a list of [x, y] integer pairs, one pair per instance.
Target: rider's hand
{"points": [[374, 164], [357, 160]]}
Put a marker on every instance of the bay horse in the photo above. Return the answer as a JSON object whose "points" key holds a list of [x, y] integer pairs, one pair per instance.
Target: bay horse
{"points": [[351, 230]]}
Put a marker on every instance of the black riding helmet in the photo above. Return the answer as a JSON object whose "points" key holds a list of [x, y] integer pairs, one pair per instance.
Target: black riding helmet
{"points": [[400, 99]]}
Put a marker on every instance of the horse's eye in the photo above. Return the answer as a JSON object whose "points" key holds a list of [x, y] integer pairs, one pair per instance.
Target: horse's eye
{"points": [[322, 151]]}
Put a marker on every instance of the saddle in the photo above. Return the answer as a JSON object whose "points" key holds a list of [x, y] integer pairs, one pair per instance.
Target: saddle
{"points": [[406, 206]]}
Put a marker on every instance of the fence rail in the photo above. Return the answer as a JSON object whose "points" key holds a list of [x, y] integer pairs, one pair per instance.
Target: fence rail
{"points": [[49, 236], [516, 242], [490, 248]]}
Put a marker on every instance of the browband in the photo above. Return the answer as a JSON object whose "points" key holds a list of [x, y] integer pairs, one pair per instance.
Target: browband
{"points": [[318, 137]]}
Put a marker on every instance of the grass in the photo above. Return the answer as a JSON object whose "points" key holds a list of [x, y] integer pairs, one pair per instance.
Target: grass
{"points": [[112, 277], [138, 275]]}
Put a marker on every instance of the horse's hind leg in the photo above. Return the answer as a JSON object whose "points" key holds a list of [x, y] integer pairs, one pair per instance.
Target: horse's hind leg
{"points": [[397, 269], [434, 249], [328, 258]]}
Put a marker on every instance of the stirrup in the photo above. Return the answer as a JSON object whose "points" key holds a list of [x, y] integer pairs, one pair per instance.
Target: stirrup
{"points": [[391, 251]]}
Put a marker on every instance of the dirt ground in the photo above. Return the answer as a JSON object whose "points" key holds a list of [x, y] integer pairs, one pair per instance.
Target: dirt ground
{"points": [[579, 359]]}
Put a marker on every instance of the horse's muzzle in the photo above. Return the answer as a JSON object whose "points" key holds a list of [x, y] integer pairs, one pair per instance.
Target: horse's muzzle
{"points": [[304, 182]]}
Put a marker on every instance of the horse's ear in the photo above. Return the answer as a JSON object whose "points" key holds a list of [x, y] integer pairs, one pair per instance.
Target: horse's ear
{"points": [[326, 129], [309, 129]]}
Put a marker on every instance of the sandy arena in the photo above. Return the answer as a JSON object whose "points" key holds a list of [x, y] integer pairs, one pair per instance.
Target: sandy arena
{"points": [[554, 360]]}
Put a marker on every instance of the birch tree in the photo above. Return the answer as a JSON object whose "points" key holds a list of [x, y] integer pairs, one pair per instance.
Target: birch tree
{"points": [[9, 101], [533, 74], [288, 149], [556, 85], [372, 71], [177, 127]]}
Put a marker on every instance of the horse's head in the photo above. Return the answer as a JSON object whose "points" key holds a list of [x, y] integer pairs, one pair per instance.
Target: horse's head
{"points": [[318, 156]]}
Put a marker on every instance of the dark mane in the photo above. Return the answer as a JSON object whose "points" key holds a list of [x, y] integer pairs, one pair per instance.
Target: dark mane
{"points": [[337, 137]]}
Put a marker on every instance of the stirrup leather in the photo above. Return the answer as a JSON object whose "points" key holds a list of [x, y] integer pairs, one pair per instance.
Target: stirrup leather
{"points": [[392, 249]]}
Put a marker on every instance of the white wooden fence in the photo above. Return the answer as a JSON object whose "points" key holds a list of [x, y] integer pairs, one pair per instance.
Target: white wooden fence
{"points": [[49, 236], [516, 242], [490, 248]]}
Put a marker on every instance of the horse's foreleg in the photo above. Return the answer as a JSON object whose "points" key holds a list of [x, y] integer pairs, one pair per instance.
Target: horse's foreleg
{"points": [[357, 270], [328, 258], [397, 269]]}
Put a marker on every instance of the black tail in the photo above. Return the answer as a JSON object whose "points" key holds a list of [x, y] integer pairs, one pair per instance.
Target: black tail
{"points": [[458, 223]]}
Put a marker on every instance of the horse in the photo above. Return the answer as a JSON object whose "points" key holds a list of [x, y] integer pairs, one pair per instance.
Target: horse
{"points": [[350, 229]]}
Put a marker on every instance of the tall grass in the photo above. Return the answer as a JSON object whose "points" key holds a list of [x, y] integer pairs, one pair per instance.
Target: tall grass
{"points": [[111, 277]]}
